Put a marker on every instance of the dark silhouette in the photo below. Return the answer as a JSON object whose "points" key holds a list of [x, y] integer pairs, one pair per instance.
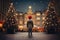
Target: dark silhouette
{"points": [[30, 26], [10, 25]]}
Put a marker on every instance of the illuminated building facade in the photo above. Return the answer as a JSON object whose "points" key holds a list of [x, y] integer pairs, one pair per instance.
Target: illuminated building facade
{"points": [[37, 18]]}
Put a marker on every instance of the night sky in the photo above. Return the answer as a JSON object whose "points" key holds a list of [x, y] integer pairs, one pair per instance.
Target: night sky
{"points": [[37, 5]]}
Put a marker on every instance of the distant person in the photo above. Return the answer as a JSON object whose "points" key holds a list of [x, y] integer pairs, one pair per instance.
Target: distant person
{"points": [[30, 26]]}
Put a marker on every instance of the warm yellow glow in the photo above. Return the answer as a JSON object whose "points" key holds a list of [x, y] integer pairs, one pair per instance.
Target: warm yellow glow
{"points": [[43, 22], [20, 27], [21, 22], [1, 25], [35, 25], [38, 27], [38, 18], [43, 14], [16, 14], [43, 18], [38, 14], [30, 7], [21, 14]]}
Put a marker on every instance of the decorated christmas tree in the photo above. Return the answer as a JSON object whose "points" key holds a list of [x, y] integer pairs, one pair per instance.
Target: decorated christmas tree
{"points": [[51, 21], [10, 24]]}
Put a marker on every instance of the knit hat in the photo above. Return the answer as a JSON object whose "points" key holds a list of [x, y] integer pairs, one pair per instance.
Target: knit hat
{"points": [[29, 17]]}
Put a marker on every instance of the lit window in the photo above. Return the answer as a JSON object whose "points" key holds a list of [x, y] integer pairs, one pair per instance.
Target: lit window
{"points": [[25, 22], [43, 18], [20, 27], [21, 14], [38, 14], [38, 18], [43, 22], [43, 14], [21, 22], [16, 14]]}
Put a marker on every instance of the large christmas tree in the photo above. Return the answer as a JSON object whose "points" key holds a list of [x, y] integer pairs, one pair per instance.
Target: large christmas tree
{"points": [[51, 22], [10, 24]]}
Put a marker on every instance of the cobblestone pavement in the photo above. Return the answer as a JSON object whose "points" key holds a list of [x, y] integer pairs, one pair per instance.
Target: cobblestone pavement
{"points": [[24, 36]]}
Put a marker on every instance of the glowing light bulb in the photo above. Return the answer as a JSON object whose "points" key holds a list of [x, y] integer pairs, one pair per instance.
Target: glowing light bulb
{"points": [[30, 7]]}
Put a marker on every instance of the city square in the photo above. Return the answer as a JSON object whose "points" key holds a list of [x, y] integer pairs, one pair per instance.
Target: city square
{"points": [[43, 15]]}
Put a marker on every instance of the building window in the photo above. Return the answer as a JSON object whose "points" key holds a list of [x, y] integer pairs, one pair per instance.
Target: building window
{"points": [[21, 22], [38, 14], [43, 18], [43, 22], [43, 14], [21, 14], [38, 18]]}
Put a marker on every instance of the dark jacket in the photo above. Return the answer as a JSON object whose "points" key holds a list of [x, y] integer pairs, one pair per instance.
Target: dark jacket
{"points": [[30, 24]]}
